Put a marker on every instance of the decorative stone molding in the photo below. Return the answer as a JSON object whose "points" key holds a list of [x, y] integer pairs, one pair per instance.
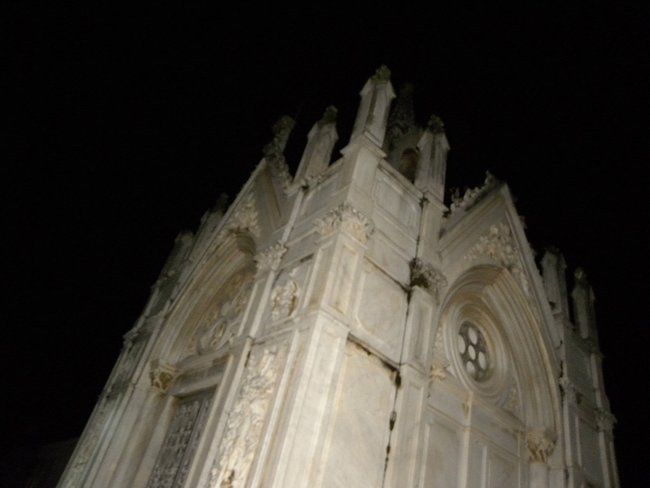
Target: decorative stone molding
{"points": [[540, 446], [472, 195], [604, 420], [425, 275], [246, 420], [162, 375], [348, 219], [284, 300], [382, 74], [498, 245], [270, 258]]}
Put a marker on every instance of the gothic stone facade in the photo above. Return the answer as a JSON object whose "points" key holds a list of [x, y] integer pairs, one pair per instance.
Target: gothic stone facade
{"points": [[345, 328]]}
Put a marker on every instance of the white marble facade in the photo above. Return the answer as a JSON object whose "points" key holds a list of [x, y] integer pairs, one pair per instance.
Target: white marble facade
{"points": [[346, 328]]}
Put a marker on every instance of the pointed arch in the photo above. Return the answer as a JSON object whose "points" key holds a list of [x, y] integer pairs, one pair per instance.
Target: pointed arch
{"points": [[492, 294]]}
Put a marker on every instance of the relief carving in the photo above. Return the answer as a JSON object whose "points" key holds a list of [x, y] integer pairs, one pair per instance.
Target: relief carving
{"points": [[472, 195], [540, 445], [218, 324], [246, 419], [498, 245], [349, 219], [284, 300], [425, 275], [270, 258]]}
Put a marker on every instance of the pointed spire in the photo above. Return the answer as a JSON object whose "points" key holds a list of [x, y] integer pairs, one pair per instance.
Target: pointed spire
{"points": [[433, 146], [320, 143], [372, 115], [402, 116]]}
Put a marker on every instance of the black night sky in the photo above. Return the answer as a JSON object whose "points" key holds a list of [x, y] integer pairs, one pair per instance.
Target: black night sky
{"points": [[123, 125]]}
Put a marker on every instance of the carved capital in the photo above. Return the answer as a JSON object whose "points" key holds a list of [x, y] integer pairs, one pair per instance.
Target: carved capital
{"points": [[540, 445], [425, 275], [348, 219], [162, 375], [270, 258]]}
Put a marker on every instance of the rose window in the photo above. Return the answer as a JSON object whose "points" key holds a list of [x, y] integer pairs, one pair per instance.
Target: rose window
{"points": [[474, 354]]}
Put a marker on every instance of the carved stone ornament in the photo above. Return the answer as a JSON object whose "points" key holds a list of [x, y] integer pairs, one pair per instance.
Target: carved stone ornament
{"points": [[246, 420], [162, 375], [425, 275], [348, 219], [604, 420], [284, 300], [217, 325], [273, 152], [270, 258], [382, 74], [498, 245], [540, 446], [438, 370], [512, 400], [473, 195], [244, 218]]}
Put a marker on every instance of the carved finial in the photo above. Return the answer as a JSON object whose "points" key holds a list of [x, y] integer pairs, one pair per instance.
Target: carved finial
{"points": [[382, 74], [281, 130], [329, 117], [436, 125], [426, 276]]}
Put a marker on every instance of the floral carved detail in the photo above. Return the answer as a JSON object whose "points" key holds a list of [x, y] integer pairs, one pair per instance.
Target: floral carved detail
{"points": [[162, 375], [246, 420], [498, 245], [284, 300], [217, 325], [270, 258], [349, 219], [540, 445], [425, 275]]}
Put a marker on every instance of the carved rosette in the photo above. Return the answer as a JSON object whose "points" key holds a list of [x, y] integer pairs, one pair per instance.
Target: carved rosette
{"points": [[425, 275], [270, 258], [246, 420], [499, 246], [540, 446], [284, 300], [162, 376], [438, 370], [348, 219]]}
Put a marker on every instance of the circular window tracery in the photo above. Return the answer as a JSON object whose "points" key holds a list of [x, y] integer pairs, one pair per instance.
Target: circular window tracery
{"points": [[474, 352]]}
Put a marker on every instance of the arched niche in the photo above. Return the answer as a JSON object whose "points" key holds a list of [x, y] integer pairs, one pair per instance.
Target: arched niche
{"points": [[487, 302], [209, 310]]}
